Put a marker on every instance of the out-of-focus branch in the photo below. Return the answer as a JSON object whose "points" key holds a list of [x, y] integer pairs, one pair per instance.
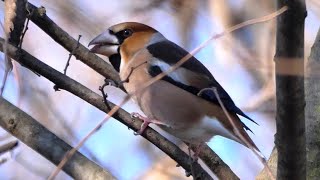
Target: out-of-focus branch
{"points": [[66, 83], [290, 119], [312, 111], [15, 12], [99, 65], [14, 17], [36, 136], [8, 146]]}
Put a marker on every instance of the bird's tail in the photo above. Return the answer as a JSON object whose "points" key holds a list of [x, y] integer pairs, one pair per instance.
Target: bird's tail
{"points": [[245, 139]]}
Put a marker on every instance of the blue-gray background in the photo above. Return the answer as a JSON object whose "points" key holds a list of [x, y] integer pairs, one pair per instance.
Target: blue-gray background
{"points": [[242, 62]]}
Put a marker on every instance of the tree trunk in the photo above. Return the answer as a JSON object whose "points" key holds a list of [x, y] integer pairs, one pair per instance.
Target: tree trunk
{"points": [[289, 60]]}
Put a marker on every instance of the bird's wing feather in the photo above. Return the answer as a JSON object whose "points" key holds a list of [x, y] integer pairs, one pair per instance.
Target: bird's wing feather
{"points": [[192, 76]]}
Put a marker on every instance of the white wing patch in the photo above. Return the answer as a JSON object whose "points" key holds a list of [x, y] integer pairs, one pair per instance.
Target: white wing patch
{"points": [[178, 75]]}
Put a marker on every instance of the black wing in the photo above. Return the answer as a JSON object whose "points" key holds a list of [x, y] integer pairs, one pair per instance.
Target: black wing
{"points": [[160, 51]]}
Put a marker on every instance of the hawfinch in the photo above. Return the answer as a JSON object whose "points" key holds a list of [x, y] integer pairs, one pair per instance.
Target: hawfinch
{"points": [[174, 103]]}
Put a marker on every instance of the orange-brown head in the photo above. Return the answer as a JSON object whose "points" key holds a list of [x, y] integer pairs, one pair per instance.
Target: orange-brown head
{"points": [[124, 39]]}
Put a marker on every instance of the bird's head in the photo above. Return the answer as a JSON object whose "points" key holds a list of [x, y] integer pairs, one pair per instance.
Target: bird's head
{"points": [[122, 40]]}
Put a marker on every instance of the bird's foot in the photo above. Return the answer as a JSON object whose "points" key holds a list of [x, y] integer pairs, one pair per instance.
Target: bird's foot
{"points": [[146, 122]]}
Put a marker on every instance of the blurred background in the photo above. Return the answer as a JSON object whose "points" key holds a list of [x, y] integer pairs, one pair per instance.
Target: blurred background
{"points": [[242, 62]]}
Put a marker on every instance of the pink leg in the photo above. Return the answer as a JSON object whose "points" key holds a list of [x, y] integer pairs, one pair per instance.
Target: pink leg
{"points": [[146, 122]]}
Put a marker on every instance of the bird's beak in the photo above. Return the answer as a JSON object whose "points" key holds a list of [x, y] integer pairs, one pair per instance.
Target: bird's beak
{"points": [[106, 44]]}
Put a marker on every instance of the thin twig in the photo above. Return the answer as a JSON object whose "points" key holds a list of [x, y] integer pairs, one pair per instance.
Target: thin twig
{"points": [[161, 75], [107, 82], [70, 55], [126, 80], [26, 27]]}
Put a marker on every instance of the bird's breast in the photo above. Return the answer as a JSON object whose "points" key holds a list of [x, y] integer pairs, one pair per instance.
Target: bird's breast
{"points": [[185, 115]]}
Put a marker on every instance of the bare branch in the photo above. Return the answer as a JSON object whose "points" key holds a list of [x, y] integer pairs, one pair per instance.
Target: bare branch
{"points": [[70, 55], [29, 131]]}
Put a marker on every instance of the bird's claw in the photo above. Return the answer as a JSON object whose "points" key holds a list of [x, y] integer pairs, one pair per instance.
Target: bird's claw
{"points": [[133, 115], [146, 122], [144, 125], [136, 115]]}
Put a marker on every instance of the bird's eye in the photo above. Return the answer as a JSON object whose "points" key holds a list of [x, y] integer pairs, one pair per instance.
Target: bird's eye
{"points": [[127, 32]]}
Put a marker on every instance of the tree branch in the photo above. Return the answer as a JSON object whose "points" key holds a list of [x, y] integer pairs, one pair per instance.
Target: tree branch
{"points": [[289, 59], [68, 84], [36, 136]]}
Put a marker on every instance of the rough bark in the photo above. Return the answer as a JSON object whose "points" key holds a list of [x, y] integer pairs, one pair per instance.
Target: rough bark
{"points": [[312, 90], [290, 121], [36, 136]]}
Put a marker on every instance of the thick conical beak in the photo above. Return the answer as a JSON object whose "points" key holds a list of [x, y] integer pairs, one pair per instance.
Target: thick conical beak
{"points": [[106, 44]]}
